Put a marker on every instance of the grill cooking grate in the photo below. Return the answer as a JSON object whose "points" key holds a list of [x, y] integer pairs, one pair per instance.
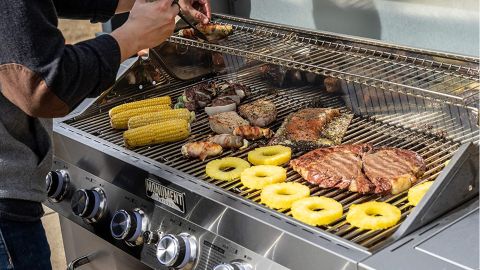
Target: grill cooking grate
{"points": [[379, 131], [394, 70]]}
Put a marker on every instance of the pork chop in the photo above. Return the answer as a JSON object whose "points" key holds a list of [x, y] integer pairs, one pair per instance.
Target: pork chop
{"points": [[393, 170], [259, 113], [339, 167], [226, 122]]}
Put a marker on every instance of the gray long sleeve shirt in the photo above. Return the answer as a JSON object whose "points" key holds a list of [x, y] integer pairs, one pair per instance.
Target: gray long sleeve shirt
{"points": [[40, 78]]}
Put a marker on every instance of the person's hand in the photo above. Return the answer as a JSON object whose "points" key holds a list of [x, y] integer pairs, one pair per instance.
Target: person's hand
{"points": [[148, 25], [197, 9]]}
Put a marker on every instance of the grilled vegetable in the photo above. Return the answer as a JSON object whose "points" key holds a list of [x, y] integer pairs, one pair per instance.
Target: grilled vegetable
{"points": [[165, 100], [161, 116], [120, 120], [252, 133], [168, 131], [229, 141], [222, 104], [201, 150]]}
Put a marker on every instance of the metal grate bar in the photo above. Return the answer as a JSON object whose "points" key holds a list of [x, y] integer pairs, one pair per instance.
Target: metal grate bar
{"points": [[279, 45]]}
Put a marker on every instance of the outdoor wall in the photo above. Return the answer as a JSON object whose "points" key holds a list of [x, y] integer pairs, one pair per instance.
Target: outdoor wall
{"points": [[443, 25]]}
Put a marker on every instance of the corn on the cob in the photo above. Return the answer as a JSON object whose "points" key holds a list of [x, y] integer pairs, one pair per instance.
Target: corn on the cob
{"points": [[120, 120], [161, 116], [168, 131], [165, 100]]}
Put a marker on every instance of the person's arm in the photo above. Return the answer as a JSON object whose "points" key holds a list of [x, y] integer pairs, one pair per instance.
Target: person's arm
{"points": [[46, 78], [93, 10]]}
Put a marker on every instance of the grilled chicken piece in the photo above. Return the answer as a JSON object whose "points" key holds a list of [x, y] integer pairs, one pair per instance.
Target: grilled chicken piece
{"points": [[393, 170], [229, 141], [213, 32], [201, 150], [338, 167], [253, 133], [259, 113], [226, 122]]}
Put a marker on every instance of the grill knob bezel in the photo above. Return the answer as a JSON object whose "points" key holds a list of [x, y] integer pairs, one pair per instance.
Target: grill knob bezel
{"points": [[134, 226], [176, 251], [92, 203], [57, 183], [234, 265]]}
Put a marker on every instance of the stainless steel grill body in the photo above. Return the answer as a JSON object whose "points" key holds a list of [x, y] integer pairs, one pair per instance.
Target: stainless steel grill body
{"points": [[401, 97]]}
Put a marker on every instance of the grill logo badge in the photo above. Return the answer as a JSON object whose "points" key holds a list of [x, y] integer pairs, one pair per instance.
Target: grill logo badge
{"points": [[165, 195]]}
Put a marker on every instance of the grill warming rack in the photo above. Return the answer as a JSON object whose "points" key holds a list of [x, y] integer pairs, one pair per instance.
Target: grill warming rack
{"points": [[438, 77], [398, 130]]}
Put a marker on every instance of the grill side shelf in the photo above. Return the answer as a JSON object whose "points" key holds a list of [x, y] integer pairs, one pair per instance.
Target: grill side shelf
{"points": [[456, 184]]}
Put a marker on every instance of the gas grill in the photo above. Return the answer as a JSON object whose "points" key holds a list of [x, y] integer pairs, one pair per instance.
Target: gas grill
{"points": [[151, 208]]}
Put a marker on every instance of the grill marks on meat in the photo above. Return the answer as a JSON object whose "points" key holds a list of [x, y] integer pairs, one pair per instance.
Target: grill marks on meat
{"points": [[307, 124], [361, 168], [339, 167], [392, 169]]}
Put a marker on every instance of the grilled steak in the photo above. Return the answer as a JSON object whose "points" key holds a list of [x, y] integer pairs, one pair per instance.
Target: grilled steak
{"points": [[226, 122], [259, 113], [393, 170], [361, 168], [311, 128], [339, 167]]}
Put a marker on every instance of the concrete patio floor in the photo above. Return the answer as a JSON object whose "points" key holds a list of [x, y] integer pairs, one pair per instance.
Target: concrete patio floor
{"points": [[51, 224]]}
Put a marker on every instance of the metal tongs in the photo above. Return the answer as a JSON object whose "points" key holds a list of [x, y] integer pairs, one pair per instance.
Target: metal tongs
{"points": [[195, 29]]}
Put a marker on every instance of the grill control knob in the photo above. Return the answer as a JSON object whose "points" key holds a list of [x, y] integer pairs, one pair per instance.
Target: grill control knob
{"points": [[176, 251], [235, 265], [128, 226], [57, 184], [89, 204]]}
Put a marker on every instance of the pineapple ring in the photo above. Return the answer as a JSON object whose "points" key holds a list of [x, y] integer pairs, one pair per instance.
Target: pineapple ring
{"points": [[257, 177], [216, 168], [316, 211], [373, 215], [270, 155], [416, 193], [282, 195]]}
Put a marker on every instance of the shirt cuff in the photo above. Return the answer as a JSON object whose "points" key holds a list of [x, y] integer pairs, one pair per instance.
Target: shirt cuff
{"points": [[104, 10]]}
